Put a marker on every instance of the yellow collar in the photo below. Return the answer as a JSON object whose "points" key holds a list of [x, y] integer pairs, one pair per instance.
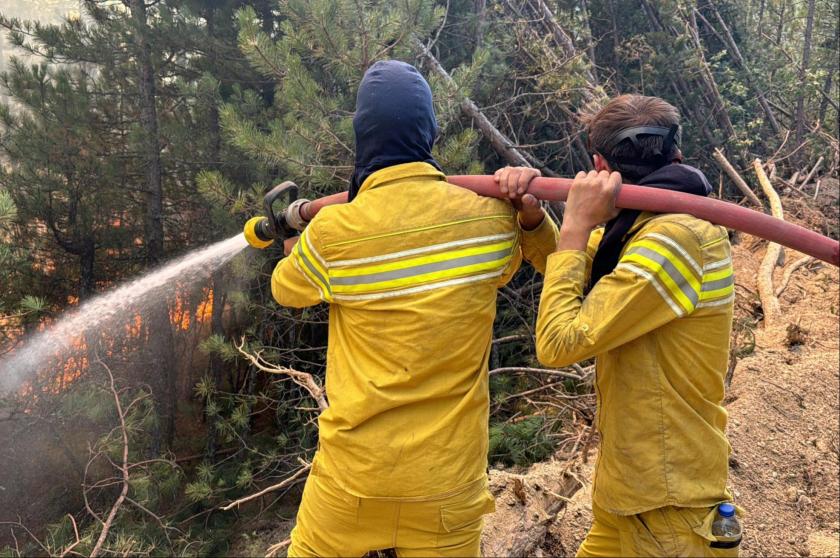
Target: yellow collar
{"points": [[412, 171]]}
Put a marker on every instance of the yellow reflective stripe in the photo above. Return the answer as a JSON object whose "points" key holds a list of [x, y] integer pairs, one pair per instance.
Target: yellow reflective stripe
{"points": [[656, 268], [311, 267], [675, 260], [650, 279], [707, 295], [715, 275], [311, 253], [424, 277], [412, 262], [717, 284]]}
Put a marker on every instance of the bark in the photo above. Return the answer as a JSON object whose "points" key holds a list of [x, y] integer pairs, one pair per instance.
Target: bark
{"points": [[766, 292], [781, 26], [150, 142], [826, 96], [480, 7], [735, 177], [803, 70], [161, 343], [733, 49]]}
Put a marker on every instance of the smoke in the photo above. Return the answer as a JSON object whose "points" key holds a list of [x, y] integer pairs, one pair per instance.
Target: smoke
{"points": [[106, 310]]}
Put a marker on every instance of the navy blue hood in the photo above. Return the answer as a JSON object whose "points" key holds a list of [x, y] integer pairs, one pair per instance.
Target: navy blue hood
{"points": [[675, 177], [395, 120]]}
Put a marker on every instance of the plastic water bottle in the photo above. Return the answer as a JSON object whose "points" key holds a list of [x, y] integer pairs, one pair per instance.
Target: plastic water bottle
{"points": [[726, 526]]}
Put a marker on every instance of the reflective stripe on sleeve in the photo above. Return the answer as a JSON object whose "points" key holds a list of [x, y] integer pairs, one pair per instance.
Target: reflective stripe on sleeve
{"points": [[308, 261]]}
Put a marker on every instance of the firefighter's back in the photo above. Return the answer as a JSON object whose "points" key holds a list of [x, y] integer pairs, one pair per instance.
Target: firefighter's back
{"points": [[412, 266]]}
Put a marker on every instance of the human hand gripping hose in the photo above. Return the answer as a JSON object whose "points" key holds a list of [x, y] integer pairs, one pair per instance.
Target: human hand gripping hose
{"points": [[262, 231]]}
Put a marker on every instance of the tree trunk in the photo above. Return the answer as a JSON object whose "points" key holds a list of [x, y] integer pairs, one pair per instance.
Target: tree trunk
{"points": [[781, 26], [732, 46], [87, 277], [480, 7], [161, 343], [150, 141], [826, 96], [803, 69]]}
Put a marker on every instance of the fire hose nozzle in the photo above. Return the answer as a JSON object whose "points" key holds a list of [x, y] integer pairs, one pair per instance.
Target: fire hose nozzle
{"points": [[261, 232], [257, 234]]}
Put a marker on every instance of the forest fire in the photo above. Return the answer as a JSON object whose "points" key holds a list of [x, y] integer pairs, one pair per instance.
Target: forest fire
{"points": [[71, 363]]}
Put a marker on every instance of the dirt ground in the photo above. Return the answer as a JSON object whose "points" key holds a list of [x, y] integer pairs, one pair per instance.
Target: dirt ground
{"points": [[783, 411]]}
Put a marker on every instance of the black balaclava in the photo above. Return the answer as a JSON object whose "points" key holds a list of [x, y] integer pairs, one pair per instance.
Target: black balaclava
{"points": [[676, 177], [395, 120]]}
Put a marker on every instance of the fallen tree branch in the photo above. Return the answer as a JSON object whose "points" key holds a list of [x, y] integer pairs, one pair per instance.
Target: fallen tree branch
{"points": [[545, 371], [501, 144], [283, 484], [275, 548], [814, 169], [789, 272], [74, 544], [303, 379], [769, 300], [106, 526], [735, 177]]}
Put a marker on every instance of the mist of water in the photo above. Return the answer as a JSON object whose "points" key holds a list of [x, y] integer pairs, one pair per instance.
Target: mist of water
{"points": [[110, 309]]}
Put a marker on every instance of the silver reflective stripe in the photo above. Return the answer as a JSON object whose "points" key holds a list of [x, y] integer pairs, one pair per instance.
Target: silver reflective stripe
{"points": [[718, 302], [421, 269], [647, 276], [312, 268], [717, 265], [421, 250], [719, 284], [423, 288], [678, 248], [672, 272]]}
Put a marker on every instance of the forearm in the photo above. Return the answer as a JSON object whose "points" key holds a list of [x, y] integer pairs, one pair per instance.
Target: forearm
{"points": [[562, 338]]}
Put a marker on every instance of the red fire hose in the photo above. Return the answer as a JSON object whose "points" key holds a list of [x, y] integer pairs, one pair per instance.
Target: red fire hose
{"points": [[658, 201]]}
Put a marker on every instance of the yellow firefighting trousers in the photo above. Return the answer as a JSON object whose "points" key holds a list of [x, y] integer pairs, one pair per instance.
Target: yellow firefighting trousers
{"points": [[668, 531], [332, 522]]}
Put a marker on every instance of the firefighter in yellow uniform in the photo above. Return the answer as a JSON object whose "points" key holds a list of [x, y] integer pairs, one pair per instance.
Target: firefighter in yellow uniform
{"points": [[651, 298], [410, 268]]}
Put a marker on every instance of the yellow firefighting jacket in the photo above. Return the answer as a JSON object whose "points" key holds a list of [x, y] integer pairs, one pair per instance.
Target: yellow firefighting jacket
{"points": [[659, 326], [410, 268]]}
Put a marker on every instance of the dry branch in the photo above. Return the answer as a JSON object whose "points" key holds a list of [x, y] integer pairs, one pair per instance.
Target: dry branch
{"points": [[769, 300], [275, 548], [789, 272], [544, 371], [303, 379], [78, 540], [283, 484], [500, 142], [106, 526], [735, 177], [814, 169]]}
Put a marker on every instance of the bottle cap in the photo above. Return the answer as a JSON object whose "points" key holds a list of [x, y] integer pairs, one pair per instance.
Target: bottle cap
{"points": [[726, 510]]}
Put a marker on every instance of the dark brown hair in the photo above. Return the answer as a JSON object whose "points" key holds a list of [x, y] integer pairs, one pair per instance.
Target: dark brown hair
{"points": [[627, 111]]}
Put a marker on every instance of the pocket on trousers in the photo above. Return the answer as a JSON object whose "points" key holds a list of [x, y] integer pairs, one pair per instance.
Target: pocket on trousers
{"points": [[718, 546], [463, 513]]}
